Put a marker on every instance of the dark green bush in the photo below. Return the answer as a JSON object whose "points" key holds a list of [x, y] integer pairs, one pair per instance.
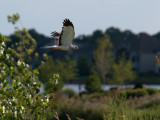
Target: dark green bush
{"points": [[152, 91], [97, 95], [136, 93], [69, 92], [93, 84], [138, 85]]}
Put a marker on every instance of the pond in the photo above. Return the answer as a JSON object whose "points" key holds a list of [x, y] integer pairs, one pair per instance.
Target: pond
{"points": [[79, 88]]}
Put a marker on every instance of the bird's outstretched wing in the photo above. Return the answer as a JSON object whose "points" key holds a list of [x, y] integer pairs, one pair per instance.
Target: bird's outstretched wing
{"points": [[67, 34], [56, 36]]}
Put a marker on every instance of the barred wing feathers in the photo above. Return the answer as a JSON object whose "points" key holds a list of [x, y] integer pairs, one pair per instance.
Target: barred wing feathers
{"points": [[56, 36]]}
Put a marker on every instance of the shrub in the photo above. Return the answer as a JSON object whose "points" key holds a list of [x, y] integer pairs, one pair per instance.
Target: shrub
{"points": [[93, 84], [97, 95], [152, 91], [136, 93], [138, 85], [19, 89], [69, 92], [79, 111]]}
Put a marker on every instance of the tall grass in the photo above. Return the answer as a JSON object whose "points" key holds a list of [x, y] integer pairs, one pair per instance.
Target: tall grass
{"points": [[112, 106], [120, 109]]}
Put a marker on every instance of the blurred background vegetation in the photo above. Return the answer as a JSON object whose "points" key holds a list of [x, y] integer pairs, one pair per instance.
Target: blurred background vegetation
{"points": [[102, 59]]}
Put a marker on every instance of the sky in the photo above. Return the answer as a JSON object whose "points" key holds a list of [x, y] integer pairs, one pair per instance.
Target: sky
{"points": [[87, 15]]}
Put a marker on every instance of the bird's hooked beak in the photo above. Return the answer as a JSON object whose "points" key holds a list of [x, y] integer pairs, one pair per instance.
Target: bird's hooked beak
{"points": [[76, 48]]}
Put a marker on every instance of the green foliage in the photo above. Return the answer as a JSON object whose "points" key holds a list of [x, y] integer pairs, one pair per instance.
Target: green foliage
{"points": [[93, 83], [151, 105], [152, 91], [119, 109], [83, 66], [97, 95], [54, 84], [46, 75], [46, 70], [131, 93], [104, 106], [116, 109], [136, 93], [79, 110], [13, 18], [25, 45], [104, 56], [69, 92], [122, 71], [138, 85], [19, 89], [66, 69]]}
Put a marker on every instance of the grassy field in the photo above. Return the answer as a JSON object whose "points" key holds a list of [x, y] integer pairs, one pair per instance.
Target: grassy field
{"points": [[132, 104]]}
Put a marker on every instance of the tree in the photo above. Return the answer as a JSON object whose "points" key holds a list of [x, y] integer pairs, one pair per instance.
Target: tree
{"points": [[66, 69], [47, 70], [122, 71], [93, 82], [25, 45], [19, 89], [104, 56], [83, 66]]}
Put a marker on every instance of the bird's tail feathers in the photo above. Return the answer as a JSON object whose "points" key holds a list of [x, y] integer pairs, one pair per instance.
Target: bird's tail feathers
{"points": [[46, 47], [50, 47]]}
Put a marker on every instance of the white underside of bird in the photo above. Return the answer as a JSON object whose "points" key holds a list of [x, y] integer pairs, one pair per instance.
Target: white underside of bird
{"points": [[64, 39]]}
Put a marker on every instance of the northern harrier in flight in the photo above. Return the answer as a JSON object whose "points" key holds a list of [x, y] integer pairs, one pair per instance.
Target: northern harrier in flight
{"points": [[63, 40]]}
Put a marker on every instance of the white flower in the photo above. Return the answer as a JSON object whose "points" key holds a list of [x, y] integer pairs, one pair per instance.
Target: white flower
{"points": [[29, 96], [57, 75], [15, 113], [3, 109], [23, 63], [19, 83], [47, 100], [7, 56], [19, 63], [22, 107], [1, 84], [56, 81], [20, 111], [27, 65], [3, 44], [14, 99], [1, 52]]}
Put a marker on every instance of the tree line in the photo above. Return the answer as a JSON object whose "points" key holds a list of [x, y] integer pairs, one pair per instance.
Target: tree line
{"points": [[104, 66]]}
